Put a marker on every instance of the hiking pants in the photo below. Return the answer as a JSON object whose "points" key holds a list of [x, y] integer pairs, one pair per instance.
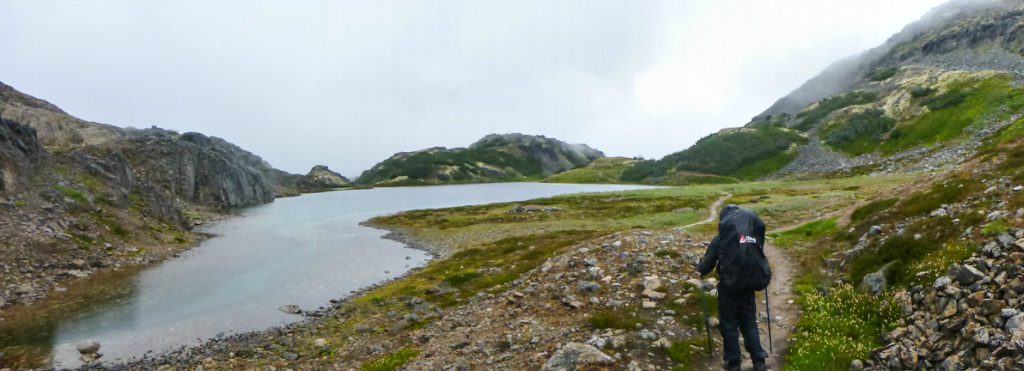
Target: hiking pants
{"points": [[737, 313]]}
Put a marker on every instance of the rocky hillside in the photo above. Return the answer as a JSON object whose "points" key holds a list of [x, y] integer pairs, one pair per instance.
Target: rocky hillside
{"points": [[322, 178], [919, 102], [494, 158], [948, 257], [78, 196]]}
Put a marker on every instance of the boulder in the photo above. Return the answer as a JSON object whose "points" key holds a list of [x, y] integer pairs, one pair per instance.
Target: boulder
{"points": [[573, 356], [966, 274], [88, 347], [587, 287], [652, 283], [874, 282]]}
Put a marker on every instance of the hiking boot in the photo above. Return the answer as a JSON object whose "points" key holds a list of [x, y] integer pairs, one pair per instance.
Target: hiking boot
{"points": [[759, 365], [733, 365]]}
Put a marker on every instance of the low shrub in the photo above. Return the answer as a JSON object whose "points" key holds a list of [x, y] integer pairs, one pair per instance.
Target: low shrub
{"points": [[838, 326]]}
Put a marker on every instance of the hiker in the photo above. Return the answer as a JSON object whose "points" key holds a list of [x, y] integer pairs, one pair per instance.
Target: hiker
{"points": [[738, 253]]}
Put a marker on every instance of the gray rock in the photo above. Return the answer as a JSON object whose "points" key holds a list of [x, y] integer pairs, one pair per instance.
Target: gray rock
{"points": [[1006, 240], [290, 309], [573, 356], [966, 274], [587, 287], [647, 335], [875, 230], [88, 347], [942, 282], [874, 282], [856, 365], [1014, 323], [290, 356]]}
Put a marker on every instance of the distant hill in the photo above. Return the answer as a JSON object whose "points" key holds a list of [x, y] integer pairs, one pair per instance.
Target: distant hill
{"points": [[745, 153], [494, 158], [606, 170]]}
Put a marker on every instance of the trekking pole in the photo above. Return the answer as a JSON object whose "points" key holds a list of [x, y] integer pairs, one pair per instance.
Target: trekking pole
{"points": [[768, 309], [707, 316]]}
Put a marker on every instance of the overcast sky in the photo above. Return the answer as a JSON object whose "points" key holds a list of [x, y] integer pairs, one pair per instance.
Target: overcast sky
{"points": [[348, 83]]}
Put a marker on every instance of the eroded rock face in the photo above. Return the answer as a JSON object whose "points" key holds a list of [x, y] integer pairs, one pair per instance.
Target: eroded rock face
{"points": [[199, 169], [20, 154]]}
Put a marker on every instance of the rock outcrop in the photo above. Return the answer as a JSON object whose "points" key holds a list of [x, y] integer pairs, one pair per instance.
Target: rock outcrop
{"points": [[77, 196], [496, 157], [320, 177], [20, 154]]}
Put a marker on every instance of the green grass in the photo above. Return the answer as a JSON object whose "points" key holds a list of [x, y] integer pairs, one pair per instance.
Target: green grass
{"points": [[1012, 133], [687, 178], [726, 153], [884, 73], [874, 207], [941, 193], [937, 263], [683, 353], [602, 171], [995, 228], [624, 319], [805, 233], [860, 132], [393, 361], [839, 326], [461, 277], [766, 166], [73, 194], [964, 104]]}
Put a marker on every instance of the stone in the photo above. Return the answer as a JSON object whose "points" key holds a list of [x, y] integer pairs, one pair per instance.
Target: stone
{"points": [[950, 309], [573, 356], [875, 230], [647, 304], [942, 282], [995, 215], [1006, 240], [663, 343], [966, 274], [290, 309], [1018, 188], [875, 282], [587, 287], [1019, 243], [856, 365], [940, 212], [320, 342], [647, 335], [648, 293], [88, 347], [652, 283], [290, 356], [992, 306]]}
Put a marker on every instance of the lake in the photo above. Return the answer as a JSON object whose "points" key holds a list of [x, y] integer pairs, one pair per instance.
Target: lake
{"points": [[300, 251]]}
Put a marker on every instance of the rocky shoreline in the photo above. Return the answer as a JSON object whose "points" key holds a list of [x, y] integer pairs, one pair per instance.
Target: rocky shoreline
{"points": [[188, 356]]}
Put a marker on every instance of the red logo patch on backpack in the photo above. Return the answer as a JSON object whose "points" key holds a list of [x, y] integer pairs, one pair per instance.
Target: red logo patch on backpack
{"points": [[747, 239]]}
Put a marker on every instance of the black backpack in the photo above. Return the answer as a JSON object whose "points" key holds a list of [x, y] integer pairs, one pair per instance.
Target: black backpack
{"points": [[742, 265]]}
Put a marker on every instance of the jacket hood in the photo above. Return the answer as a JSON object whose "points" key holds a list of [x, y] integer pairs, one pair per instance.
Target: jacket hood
{"points": [[727, 210]]}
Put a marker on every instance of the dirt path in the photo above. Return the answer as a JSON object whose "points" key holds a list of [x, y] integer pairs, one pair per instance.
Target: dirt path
{"points": [[784, 314], [712, 211]]}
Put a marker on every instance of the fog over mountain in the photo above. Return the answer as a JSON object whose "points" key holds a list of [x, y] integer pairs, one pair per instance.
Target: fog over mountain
{"points": [[347, 84]]}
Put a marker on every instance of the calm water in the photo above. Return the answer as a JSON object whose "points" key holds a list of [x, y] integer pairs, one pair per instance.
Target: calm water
{"points": [[303, 251]]}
